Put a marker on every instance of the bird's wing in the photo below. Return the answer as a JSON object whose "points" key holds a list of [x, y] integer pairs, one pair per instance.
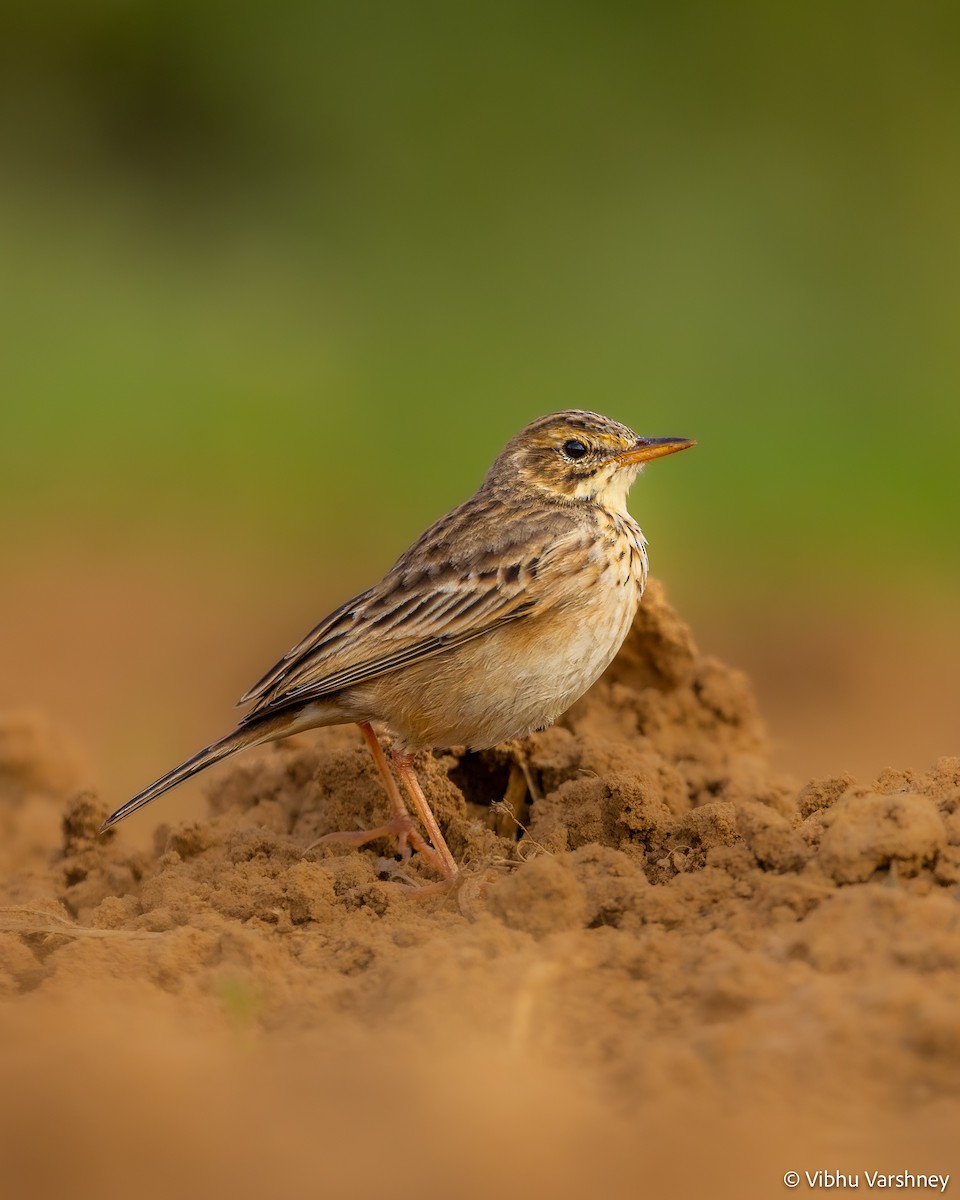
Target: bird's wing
{"points": [[470, 573], [329, 630]]}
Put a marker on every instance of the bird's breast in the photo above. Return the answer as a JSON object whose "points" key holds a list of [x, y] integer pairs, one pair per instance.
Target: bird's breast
{"points": [[523, 675]]}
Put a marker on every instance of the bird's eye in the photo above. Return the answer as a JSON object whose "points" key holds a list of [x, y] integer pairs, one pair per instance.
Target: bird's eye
{"points": [[574, 449]]}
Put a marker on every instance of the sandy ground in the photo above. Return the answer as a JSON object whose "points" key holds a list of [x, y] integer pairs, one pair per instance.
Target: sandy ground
{"points": [[671, 971]]}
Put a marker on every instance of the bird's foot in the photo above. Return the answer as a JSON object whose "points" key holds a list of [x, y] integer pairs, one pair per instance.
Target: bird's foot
{"points": [[460, 885], [400, 829], [423, 891]]}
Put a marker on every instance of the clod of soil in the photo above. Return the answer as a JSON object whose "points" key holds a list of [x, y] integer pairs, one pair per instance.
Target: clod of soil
{"points": [[667, 962]]}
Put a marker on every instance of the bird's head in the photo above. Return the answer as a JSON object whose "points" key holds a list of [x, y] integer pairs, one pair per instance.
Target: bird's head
{"points": [[579, 456]]}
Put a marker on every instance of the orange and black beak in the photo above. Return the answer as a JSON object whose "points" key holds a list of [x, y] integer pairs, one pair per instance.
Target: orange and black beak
{"points": [[647, 448]]}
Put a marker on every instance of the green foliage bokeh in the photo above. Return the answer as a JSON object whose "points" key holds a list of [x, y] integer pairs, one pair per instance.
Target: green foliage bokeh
{"points": [[297, 271]]}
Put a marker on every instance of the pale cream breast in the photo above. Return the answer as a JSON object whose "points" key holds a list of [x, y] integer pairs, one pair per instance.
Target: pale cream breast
{"points": [[523, 675]]}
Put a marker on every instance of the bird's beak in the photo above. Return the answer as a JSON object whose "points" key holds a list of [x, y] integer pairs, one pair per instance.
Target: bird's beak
{"points": [[647, 448]]}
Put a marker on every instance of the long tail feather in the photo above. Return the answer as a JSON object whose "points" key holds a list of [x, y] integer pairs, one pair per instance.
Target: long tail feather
{"points": [[241, 738]]}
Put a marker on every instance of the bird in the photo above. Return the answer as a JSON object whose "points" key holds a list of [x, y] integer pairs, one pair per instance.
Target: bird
{"points": [[487, 628]]}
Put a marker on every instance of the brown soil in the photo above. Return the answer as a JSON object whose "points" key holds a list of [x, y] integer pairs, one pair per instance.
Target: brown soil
{"points": [[687, 976]]}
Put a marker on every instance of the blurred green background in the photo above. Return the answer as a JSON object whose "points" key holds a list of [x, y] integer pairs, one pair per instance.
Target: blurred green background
{"points": [[279, 280], [268, 266]]}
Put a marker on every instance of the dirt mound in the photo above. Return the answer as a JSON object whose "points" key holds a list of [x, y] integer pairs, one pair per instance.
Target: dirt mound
{"points": [[667, 962]]}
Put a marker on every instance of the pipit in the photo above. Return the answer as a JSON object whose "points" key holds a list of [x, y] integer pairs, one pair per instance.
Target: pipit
{"points": [[489, 627]]}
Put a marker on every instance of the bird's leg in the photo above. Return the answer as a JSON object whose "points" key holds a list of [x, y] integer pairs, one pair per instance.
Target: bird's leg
{"points": [[447, 863], [400, 825], [508, 813], [512, 810]]}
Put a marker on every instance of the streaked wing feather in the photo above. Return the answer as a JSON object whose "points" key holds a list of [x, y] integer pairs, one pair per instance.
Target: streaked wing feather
{"points": [[325, 629], [315, 689], [472, 572]]}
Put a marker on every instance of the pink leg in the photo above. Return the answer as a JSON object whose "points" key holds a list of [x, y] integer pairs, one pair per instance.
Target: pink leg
{"points": [[400, 825], [404, 765]]}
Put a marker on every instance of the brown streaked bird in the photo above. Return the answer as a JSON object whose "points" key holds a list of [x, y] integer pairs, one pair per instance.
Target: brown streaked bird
{"points": [[489, 627]]}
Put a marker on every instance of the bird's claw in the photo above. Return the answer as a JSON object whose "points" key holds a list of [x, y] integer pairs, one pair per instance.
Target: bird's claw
{"points": [[400, 829]]}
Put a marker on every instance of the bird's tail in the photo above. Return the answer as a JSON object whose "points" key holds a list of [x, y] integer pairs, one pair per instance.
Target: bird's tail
{"points": [[258, 731]]}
